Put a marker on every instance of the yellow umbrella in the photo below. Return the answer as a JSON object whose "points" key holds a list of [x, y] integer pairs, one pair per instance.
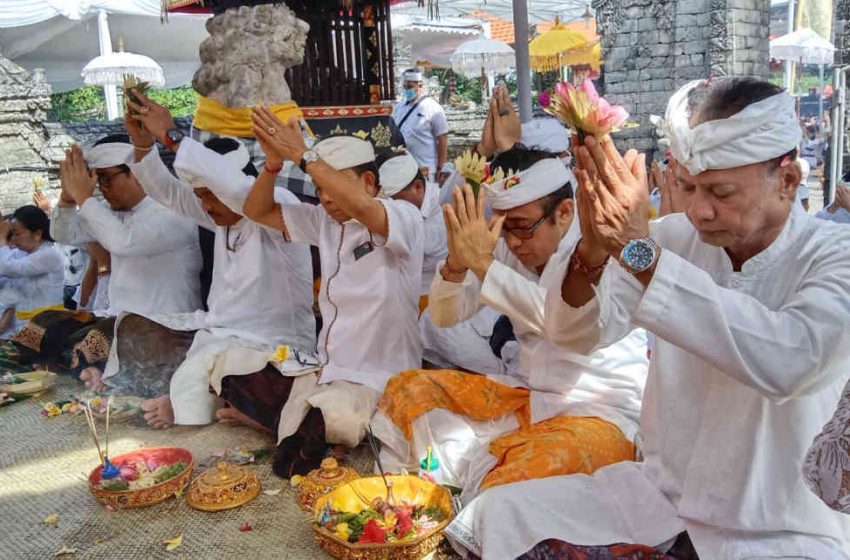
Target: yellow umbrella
{"points": [[559, 47]]}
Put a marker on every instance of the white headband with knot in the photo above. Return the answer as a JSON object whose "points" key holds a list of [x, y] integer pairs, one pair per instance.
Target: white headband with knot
{"points": [[109, 154], [541, 179], [760, 132]]}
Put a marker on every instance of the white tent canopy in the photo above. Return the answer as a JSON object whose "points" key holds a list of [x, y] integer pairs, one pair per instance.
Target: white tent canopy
{"points": [[538, 10], [434, 41], [803, 45], [61, 36]]}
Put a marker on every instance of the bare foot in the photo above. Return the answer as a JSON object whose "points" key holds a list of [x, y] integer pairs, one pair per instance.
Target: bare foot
{"points": [[230, 415], [92, 377], [158, 412]]}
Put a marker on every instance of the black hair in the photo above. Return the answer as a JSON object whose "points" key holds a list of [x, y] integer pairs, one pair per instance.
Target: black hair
{"points": [[519, 158], [34, 219], [224, 145], [368, 166]]}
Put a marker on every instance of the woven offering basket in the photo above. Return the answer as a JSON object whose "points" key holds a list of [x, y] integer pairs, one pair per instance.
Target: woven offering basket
{"points": [[144, 497], [406, 488]]}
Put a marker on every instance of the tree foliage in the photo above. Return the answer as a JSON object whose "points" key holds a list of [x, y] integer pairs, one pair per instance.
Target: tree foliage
{"points": [[87, 103]]}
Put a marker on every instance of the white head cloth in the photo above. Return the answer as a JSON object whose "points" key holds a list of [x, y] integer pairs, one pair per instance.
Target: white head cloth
{"points": [[344, 152], [545, 134], [110, 154], [542, 178], [805, 169], [412, 76], [396, 174], [760, 132], [239, 157]]}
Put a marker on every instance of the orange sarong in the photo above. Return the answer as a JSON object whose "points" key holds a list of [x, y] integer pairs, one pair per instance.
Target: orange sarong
{"points": [[414, 392], [557, 446]]}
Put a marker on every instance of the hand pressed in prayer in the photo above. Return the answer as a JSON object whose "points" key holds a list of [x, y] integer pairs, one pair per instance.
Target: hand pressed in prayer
{"points": [[77, 180], [139, 135], [155, 118], [617, 193], [670, 199], [507, 128], [472, 239], [41, 200], [279, 141]]}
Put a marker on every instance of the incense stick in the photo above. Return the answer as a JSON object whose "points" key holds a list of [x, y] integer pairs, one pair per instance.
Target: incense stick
{"points": [[374, 446], [93, 429], [108, 406]]}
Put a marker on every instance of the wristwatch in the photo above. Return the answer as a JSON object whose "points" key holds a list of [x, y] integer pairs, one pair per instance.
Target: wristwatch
{"points": [[172, 138], [307, 158], [639, 255]]}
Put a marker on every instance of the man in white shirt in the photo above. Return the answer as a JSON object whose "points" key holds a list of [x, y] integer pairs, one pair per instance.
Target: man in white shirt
{"points": [[748, 298], [371, 256], [401, 179], [422, 122], [466, 418], [155, 254], [261, 292]]}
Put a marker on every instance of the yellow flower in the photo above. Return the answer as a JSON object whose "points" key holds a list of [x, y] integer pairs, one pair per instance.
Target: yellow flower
{"points": [[96, 402], [37, 183], [343, 531], [390, 520], [281, 353], [471, 167], [295, 480]]}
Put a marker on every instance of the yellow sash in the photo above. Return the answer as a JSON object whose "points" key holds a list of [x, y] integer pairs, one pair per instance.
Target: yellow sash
{"points": [[29, 314], [212, 116]]}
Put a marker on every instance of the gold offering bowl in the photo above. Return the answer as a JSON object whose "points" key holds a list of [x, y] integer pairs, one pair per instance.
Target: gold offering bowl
{"points": [[357, 495], [329, 476], [144, 497], [225, 486]]}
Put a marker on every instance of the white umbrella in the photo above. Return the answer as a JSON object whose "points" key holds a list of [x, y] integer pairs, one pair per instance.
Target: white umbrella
{"points": [[803, 45], [109, 69], [489, 55], [806, 47]]}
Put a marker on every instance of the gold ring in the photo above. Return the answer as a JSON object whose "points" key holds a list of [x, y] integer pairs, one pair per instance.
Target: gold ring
{"points": [[272, 130]]}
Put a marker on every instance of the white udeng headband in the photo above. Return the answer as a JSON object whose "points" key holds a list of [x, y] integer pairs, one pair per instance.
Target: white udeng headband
{"points": [[109, 154], [543, 178], [760, 132]]}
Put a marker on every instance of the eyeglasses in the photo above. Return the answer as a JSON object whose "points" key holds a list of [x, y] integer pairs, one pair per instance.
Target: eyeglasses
{"points": [[106, 180], [525, 233]]}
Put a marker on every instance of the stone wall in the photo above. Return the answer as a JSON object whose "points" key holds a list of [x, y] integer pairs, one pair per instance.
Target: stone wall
{"points": [[652, 47]]}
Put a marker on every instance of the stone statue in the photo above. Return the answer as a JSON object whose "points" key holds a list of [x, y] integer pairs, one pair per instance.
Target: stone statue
{"points": [[249, 48]]}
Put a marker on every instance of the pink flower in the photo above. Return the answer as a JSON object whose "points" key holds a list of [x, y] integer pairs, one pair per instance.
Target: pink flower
{"points": [[582, 110], [544, 99]]}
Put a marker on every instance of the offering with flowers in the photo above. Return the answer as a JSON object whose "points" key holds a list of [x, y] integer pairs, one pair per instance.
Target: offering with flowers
{"points": [[474, 169], [143, 473], [362, 519], [583, 110]]}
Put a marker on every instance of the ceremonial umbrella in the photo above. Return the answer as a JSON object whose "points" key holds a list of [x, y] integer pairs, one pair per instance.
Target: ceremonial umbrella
{"points": [[806, 47], [109, 69], [483, 55], [560, 47]]}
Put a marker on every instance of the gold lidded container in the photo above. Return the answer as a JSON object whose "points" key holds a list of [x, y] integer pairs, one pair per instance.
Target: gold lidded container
{"points": [[224, 486], [329, 476]]}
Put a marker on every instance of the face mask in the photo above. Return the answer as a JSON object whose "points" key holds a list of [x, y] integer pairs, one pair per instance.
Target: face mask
{"points": [[410, 94]]}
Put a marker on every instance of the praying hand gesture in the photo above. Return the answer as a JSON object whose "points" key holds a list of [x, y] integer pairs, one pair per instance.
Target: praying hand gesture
{"points": [[502, 129], [280, 142], [471, 238], [41, 201], [616, 206], [146, 121], [77, 180]]}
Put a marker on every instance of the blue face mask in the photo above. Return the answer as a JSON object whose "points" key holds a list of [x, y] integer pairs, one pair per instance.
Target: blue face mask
{"points": [[410, 94]]}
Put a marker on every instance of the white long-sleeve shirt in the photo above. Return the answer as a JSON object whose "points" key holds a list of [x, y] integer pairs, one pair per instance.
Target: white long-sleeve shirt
{"points": [[608, 384], [261, 285], [436, 246], [156, 259], [746, 369], [370, 291], [30, 281]]}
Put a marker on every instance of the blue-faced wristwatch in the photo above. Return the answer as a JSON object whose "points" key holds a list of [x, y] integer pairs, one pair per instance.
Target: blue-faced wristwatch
{"points": [[639, 255]]}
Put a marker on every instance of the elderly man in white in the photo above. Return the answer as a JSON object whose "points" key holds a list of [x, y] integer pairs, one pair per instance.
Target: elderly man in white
{"points": [[748, 298]]}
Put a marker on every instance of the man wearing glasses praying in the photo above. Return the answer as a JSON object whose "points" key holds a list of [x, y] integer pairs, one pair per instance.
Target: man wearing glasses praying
{"points": [[497, 429]]}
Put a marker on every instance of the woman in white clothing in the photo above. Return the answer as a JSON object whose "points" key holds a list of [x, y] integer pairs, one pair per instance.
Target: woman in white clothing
{"points": [[31, 269]]}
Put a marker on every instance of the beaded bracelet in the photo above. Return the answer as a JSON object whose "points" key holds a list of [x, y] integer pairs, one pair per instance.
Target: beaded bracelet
{"points": [[272, 170], [576, 263]]}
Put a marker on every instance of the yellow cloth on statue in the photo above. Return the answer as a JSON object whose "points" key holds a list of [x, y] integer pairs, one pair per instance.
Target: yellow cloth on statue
{"points": [[558, 446], [26, 315], [415, 392], [212, 116]]}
